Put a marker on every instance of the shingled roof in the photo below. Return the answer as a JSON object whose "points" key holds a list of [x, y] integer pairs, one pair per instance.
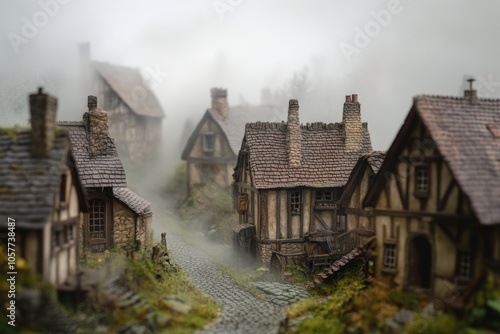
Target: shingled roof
{"points": [[98, 171], [28, 184], [325, 161], [461, 132], [233, 126], [374, 160], [135, 202], [124, 81]]}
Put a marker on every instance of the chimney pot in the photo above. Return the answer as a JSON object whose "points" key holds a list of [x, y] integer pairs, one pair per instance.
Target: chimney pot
{"points": [[43, 109], [355, 98], [348, 98], [91, 102], [470, 94]]}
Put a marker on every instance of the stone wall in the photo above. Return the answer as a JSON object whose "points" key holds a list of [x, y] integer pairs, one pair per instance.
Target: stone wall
{"points": [[265, 250], [144, 229], [123, 225]]}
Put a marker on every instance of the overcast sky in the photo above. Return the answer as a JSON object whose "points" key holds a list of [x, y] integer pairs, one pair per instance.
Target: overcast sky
{"points": [[408, 48]]}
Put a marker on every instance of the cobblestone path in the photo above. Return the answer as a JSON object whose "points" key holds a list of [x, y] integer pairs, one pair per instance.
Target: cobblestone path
{"points": [[240, 311]]}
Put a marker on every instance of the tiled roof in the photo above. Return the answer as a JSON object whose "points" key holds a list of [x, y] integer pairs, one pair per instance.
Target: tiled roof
{"points": [[325, 162], [375, 160], [125, 81], [135, 202], [234, 124], [27, 184], [99, 171], [460, 130]]}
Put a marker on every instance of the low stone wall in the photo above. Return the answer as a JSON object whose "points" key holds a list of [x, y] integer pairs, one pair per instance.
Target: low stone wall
{"points": [[265, 250]]}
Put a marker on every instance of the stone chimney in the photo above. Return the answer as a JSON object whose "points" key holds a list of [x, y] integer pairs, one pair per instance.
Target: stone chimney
{"points": [[353, 128], [96, 123], [43, 122], [470, 94], [219, 101], [293, 135]]}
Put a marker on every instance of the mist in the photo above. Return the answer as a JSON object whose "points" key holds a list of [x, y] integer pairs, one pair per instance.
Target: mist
{"points": [[183, 49]]}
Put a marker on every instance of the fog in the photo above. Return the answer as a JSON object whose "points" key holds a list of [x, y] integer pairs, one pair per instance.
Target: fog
{"points": [[420, 47]]}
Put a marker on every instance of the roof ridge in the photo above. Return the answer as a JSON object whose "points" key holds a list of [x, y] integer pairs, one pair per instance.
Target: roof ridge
{"points": [[454, 97]]}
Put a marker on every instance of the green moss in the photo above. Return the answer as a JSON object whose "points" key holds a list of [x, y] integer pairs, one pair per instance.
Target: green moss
{"points": [[403, 299], [321, 325], [13, 132]]}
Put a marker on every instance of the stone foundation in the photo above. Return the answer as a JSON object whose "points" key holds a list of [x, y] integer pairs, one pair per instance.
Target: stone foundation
{"points": [[265, 250], [123, 226]]}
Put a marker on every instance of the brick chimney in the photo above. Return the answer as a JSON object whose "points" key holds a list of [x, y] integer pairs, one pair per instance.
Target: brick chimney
{"points": [[96, 123], [219, 101], [470, 94], [293, 135], [353, 128], [43, 109]]}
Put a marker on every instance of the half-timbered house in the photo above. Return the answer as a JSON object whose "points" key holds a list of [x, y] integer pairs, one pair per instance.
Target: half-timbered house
{"points": [[289, 177], [41, 198], [212, 149], [436, 197], [117, 216], [134, 113]]}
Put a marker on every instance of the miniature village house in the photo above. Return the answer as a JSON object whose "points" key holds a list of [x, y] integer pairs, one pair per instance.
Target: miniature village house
{"points": [[212, 148], [436, 197], [289, 177], [134, 113], [41, 198], [117, 216]]}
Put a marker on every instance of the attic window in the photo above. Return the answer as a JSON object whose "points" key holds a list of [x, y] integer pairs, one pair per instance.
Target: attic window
{"points": [[494, 130], [208, 142], [422, 181], [110, 100]]}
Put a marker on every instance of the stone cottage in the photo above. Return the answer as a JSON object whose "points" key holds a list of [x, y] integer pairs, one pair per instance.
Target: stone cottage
{"points": [[289, 177], [41, 197], [212, 149], [117, 216], [436, 198], [134, 113]]}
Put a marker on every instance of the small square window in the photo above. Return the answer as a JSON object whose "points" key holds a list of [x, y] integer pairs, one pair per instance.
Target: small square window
{"points": [[295, 202], [422, 181], [208, 142], [390, 256]]}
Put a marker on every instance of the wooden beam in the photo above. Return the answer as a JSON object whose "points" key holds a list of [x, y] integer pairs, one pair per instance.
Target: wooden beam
{"points": [[358, 212], [417, 214], [278, 214], [301, 227], [322, 222], [447, 231], [246, 186], [289, 216], [446, 196]]}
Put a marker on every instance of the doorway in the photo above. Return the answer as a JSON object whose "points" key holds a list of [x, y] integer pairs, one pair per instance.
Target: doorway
{"points": [[420, 262]]}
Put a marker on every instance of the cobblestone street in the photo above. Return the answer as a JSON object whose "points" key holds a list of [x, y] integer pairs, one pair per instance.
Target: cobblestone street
{"points": [[240, 311]]}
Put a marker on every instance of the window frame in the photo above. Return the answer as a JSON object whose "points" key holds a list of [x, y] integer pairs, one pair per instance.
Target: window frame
{"points": [[418, 180], [461, 264], [389, 257], [295, 204], [341, 213], [205, 147], [91, 222]]}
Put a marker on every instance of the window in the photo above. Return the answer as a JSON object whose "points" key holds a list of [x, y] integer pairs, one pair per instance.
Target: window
{"points": [[341, 220], [208, 142], [295, 202], [71, 232], [422, 181], [389, 256], [325, 195], [110, 100], [97, 219], [464, 265]]}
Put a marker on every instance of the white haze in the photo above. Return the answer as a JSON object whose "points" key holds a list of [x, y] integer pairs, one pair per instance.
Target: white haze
{"points": [[427, 48]]}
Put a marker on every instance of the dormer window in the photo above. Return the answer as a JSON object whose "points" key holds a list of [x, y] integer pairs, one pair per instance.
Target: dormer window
{"points": [[208, 142], [422, 183]]}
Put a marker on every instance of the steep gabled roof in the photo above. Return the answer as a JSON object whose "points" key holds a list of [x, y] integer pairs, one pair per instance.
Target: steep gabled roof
{"points": [[233, 126], [325, 161], [373, 160], [135, 202], [461, 132], [99, 171], [28, 184], [125, 81]]}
